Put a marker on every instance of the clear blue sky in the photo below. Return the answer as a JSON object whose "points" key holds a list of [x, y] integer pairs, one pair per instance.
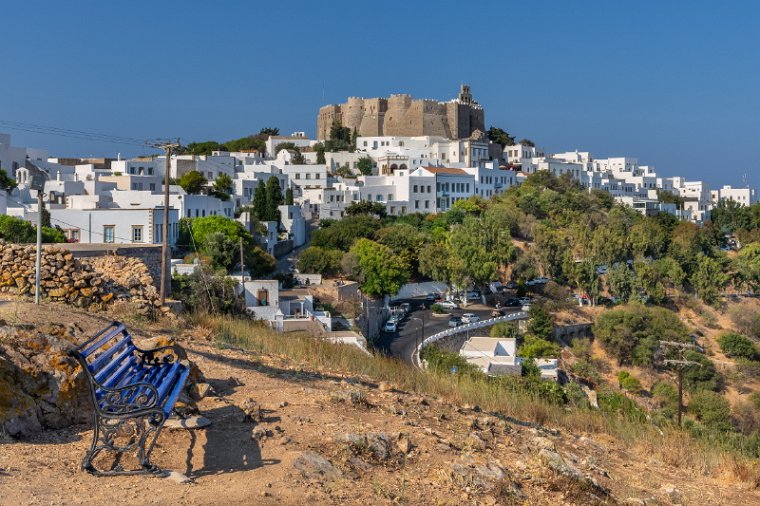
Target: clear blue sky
{"points": [[674, 83]]}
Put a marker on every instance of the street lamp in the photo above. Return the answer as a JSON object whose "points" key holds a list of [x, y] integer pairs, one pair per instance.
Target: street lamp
{"points": [[422, 320]]}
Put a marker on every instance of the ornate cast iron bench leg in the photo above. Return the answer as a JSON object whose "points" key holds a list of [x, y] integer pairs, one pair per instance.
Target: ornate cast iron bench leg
{"points": [[140, 432]]}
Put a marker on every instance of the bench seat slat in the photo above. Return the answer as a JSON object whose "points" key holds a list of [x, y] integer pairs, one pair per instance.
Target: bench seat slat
{"points": [[167, 380], [103, 340], [175, 392]]}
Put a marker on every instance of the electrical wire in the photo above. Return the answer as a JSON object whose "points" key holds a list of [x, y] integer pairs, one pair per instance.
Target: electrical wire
{"points": [[78, 134]]}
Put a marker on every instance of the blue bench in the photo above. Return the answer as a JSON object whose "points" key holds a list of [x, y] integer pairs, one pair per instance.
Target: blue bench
{"points": [[133, 392]]}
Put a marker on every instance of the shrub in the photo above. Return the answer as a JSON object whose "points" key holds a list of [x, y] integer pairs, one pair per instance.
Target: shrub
{"points": [[615, 402], [700, 378], [628, 382], [738, 346], [541, 323], [665, 394], [632, 333], [504, 329], [437, 308], [712, 410], [318, 260], [535, 347]]}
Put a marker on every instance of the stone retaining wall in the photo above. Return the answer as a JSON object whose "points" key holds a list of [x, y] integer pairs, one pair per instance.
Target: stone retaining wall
{"points": [[82, 282]]}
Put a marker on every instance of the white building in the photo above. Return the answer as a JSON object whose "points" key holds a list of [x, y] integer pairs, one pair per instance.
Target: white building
{"points": [[298, 139], [743, 196], [91, 226]]}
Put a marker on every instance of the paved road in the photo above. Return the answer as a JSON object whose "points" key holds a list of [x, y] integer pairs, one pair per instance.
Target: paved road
{"points": [[401, 344]]}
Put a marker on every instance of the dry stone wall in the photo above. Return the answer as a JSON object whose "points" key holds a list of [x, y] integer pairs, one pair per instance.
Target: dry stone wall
{"points": [[94, 281]]}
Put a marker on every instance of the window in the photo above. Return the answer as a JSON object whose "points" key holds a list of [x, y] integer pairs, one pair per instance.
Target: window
{"points": [[415, 189], [390, 196], [308, 176], [72, 234], [152, 187], [427, 204], [108, 235], [298, 175], [428, 189], [416, 204], [137, 233], [379, 198]]}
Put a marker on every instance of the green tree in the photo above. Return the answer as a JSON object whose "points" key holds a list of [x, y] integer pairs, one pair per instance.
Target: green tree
{"points": [[434, 262], [342, 234], [709, 278], [203, 148], [540, 322], [585, 278], [260, 201], [223, 187], [527, 142], [703, 377], [380, 271], [7, 183], [19, 231], [219, 238], [365, 165], [499, 136], [273, 199], [478, 248], [366, 207], [748, 265], [193, 182], [320, 260], [274, 131], [320, 149], [289, 196], [621, 281], [285, 145]]}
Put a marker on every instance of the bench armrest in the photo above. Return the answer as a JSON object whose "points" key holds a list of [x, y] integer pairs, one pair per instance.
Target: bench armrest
{"points": [[128, 399], [156, 356]]}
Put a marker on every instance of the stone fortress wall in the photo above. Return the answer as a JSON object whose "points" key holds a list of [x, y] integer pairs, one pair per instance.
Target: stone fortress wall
{"points": [[401, 116]]}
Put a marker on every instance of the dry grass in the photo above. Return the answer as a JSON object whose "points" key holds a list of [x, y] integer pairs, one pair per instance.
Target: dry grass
{"points": [[672, 447]]}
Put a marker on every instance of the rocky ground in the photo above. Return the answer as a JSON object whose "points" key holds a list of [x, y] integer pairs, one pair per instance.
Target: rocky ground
{"points": [[282, 434]]}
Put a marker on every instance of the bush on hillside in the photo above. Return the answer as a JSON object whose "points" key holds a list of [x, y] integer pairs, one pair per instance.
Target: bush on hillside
{"points": [[628, 382], [737, 346], [712, 410], [632, 333]]}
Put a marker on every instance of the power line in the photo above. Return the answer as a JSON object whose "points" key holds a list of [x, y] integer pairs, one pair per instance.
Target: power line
{"points": [[77, 134]]}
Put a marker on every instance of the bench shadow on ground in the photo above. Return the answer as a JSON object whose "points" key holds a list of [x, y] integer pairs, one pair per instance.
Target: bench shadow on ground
{"points": [[229, 447], [274, 372]]}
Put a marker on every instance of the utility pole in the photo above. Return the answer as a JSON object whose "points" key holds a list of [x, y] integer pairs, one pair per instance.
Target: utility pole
{"points": [[165, 260], [681, 365], [38, 260], [242, 265]]}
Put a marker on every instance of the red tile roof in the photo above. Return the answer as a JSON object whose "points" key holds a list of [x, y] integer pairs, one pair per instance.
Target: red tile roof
{"points": [[445, 170]]}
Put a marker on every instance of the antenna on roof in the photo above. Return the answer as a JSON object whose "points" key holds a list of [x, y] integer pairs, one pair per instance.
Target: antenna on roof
{"points": [[745, 180]]}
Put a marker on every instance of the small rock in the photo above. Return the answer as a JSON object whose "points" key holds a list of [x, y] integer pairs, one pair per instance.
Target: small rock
{"points": [[541, 443], [199, 391], [314, 466], [385, 387], [189, 423], [671, 492], [285, 440], [251, 411], [634, 501], [176, 477], [284, 404], [260, 433], [405, 445]]}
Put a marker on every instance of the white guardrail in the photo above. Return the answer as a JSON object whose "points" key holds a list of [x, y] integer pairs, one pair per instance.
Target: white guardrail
{"points": [[520, 315]]}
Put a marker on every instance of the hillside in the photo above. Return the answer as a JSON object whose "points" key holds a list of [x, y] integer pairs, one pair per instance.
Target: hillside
{"points": [[325, 435]]}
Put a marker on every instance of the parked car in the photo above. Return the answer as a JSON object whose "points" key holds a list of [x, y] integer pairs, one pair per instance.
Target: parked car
{"points": [[530, 282], [513, 302], [448, 304], [526, 307], [473, 295], [431, 297], [455, 321], [390, 326], [470, 318], [511, 285], [406, 307], [541, 280], [524, 300]]}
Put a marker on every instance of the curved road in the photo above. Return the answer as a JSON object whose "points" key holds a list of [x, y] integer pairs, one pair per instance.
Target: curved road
{"points": [[402, 343]]}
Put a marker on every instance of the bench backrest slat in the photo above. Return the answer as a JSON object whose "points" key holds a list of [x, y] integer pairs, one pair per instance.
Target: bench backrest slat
{"points": [[168, 380], [114, 329], [110, 375], [113, 354]]}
